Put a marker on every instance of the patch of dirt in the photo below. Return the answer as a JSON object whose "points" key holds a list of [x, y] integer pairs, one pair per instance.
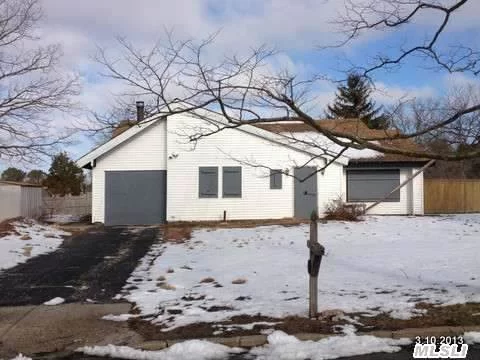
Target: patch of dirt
{"points": [[177, 234], [239, 281], [193, 298], [236, 223], [181, 231], [7, 228], [290, 325], [27, 251], [166, 286], [216, 308], [76, 228], [452, 315]]}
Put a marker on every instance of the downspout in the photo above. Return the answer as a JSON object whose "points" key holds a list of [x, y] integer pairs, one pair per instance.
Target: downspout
{"points": [[407, 181]]}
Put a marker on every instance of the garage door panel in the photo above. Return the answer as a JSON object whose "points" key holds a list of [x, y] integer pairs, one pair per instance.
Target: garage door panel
{"points": [[135, 197]]}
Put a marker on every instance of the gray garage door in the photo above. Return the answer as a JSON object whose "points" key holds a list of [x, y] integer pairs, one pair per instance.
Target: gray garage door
{"points": [[135, 197], [372, 184]]}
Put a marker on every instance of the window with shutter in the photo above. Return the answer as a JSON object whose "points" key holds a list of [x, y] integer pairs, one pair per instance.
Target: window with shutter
{"points": [[232, 181], [275, 179], [208, 182]]}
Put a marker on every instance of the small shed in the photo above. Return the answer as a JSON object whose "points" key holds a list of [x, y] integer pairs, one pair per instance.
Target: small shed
{"points": [[20, 199]]}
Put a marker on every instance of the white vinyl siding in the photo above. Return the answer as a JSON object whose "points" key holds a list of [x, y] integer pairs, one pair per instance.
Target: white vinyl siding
{"points": [[226, 149], [144, 151]]}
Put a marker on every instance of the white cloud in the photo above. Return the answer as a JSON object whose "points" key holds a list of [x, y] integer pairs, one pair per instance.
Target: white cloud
{"points": [[387, 94], [294, 26]]}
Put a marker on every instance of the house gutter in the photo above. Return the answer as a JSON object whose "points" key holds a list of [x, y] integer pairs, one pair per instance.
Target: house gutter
{"points": [[406, 182]]}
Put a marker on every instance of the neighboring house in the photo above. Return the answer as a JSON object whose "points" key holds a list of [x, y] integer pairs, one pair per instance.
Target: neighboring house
{"points": [[152, 172], [20, 199]]}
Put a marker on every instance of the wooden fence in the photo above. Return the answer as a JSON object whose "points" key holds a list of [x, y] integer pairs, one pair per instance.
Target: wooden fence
{"points": [[443, 196], [69, 205]]}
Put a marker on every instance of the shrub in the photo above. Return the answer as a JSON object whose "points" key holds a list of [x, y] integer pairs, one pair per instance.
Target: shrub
{"points": [[337, 209]]}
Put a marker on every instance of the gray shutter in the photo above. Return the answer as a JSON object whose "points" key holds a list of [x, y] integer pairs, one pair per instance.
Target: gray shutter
{"points": [[275, 179], [372, 185], [208, 182], [232, 181]]}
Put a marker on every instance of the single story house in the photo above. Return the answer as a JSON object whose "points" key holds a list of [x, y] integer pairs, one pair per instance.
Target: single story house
{"points": [[20, 199], [161, 170]]}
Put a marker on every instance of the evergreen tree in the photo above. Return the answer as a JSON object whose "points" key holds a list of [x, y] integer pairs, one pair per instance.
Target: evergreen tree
{"points": [[353, 102], [64, 176], [13, 174], [36, 176]]}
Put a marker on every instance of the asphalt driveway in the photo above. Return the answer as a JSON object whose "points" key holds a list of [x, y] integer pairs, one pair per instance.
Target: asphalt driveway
{"points": [[92, 265]]}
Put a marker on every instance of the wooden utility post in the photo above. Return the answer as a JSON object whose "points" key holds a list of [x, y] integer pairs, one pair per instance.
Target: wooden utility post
{"points": [[316, 253]]}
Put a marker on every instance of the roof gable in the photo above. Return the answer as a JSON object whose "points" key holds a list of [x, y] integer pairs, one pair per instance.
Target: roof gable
{"points": [[86, 160]]}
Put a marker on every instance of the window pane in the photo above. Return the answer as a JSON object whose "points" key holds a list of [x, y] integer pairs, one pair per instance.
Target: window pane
{"points": [[232, 181], [208, 182], [372, 185]]}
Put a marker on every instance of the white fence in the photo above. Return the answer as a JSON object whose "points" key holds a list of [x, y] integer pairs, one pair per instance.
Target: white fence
{"points": [[17, 200]]}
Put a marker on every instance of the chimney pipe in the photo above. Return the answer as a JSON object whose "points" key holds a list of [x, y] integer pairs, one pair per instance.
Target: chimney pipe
{"points": [[140, 111]]}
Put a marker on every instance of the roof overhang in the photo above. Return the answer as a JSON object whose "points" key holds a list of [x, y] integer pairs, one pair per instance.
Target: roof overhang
{"points": [[363, 163]]}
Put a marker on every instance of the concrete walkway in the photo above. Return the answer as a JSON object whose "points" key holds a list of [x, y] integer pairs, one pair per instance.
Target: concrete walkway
{"points": [[41, 329]]}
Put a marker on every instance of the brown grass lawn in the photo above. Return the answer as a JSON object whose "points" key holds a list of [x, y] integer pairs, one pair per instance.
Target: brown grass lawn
{"points": [[7, 228], [454, 315], [180, 231]]}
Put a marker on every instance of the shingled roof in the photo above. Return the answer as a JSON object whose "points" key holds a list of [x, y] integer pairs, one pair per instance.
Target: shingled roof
{"points": [[351, 127]]}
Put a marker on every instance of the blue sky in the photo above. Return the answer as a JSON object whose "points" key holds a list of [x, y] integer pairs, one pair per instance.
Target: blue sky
{"points": [[296, 28]]}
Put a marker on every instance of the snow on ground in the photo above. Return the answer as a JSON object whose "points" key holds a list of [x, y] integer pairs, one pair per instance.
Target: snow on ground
{"points": [[33, 239], [54, 301], [285, 347], [280, 347], [192, 349], [21, 357], [119, 318], [383, 264], [472, 337]]}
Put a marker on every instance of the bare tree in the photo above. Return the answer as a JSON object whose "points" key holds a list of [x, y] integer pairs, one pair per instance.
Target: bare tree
{"points": [[247, 90], [31, 87]]}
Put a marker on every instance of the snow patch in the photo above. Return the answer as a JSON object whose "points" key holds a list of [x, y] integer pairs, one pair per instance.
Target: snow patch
{"points": [[31, 239], [54, 301], [282, 347], [380, 265], [21, 357], [192, 349], [472, 337], [121, 317]]}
